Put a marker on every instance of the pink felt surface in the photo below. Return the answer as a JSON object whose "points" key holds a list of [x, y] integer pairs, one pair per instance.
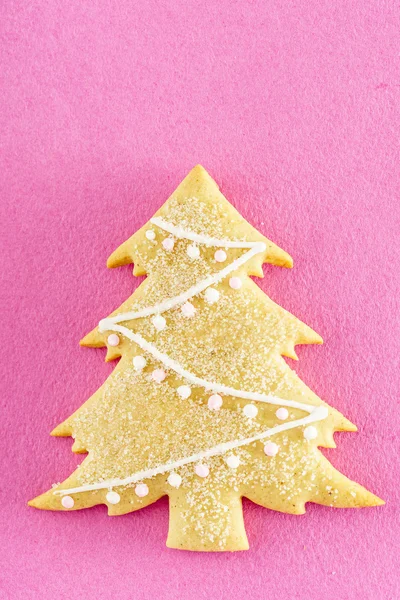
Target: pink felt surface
{"points": [[293, 107]]}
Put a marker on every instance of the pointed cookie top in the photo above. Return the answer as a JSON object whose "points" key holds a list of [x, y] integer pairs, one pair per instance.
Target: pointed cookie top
{"points": [[198, 205]]}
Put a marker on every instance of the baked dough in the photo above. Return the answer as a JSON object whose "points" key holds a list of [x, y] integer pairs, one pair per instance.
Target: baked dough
{"points": [[150, 414]]}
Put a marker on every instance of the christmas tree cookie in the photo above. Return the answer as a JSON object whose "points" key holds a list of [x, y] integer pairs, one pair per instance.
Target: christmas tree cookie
{"points": [[202, 407]]}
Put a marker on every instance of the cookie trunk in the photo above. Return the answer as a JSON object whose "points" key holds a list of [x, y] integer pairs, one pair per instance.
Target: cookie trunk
{"points": [[211, 524]]}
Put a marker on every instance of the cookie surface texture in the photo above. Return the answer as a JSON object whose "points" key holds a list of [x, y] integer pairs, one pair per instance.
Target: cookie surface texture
{"points": [[202, 407]]}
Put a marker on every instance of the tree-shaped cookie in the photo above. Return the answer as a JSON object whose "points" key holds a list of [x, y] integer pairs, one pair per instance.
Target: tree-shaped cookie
{"points": [[202, 406]]}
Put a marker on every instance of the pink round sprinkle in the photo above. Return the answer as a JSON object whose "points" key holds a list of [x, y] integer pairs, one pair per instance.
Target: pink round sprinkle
{"points": [[214, 402], [282, 413], [168, 244], [67, 502], [159, 375], [271, 449], [235, 283], [220, 256], [113, 339], [141, 490], [202, 470]]}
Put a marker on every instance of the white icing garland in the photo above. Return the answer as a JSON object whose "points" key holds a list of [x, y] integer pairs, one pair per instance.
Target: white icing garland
{"points": [[318, 414], [217, 388], [181, 233], [111, 324], [196, 289]]}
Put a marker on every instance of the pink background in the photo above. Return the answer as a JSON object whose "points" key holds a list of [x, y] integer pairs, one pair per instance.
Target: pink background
{"points": [[293, 107]]}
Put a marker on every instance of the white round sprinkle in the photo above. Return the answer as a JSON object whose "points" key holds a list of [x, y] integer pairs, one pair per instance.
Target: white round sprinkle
{"points": [[141, 490], [214, 402], [113, 497], [159, 375], [220, 256], [211, 295], [193, 251], [282, 414], [168, 244], [235, 283], [188, 310], [184, 391], [159, 322], [67, 502], [202, 470], [310, 432], [250, 411], [174, 480], [321, 411], [139, 362], [150, 234], [233, 462], [113, 339], [271, 449]]}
